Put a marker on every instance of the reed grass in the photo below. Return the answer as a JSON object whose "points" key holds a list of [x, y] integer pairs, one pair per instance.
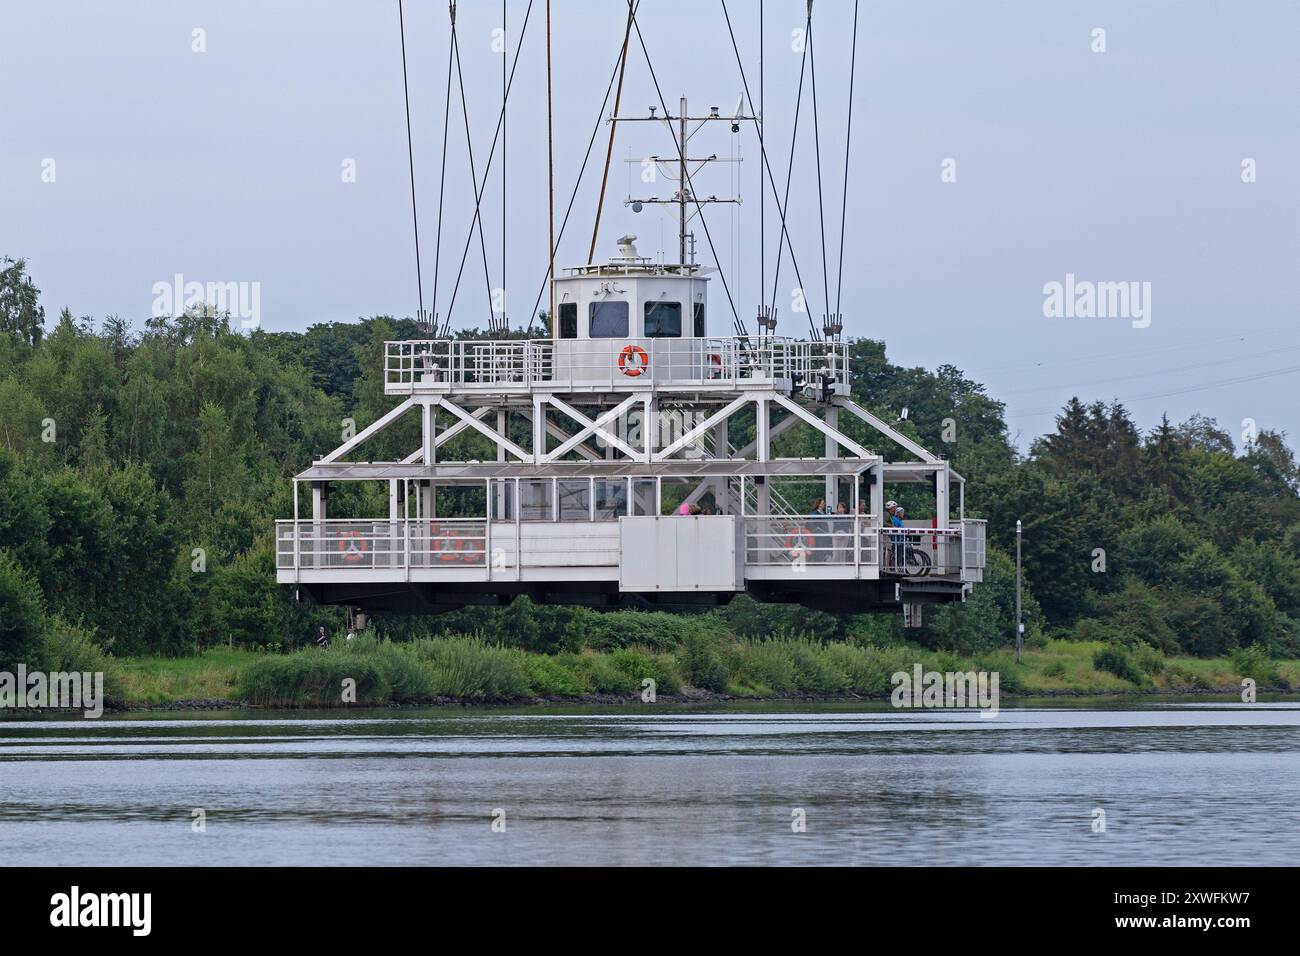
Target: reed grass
{"points": [[474, 669]]}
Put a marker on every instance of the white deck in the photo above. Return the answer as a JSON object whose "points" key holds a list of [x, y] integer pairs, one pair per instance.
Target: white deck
{"points": [[663, 553]]}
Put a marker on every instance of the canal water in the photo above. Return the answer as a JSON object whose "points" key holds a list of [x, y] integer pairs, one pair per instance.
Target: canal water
{"points": [[1147, 784]]}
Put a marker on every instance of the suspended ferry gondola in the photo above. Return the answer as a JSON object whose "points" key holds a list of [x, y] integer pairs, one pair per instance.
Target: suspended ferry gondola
{"points": [[634, 460]]}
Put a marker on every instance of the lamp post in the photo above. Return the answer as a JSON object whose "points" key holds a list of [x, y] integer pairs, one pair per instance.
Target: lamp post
{"points": [[1020, 628]]}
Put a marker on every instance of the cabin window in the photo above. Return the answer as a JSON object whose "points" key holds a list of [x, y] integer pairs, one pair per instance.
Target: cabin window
{"points": [[608, 320], [673, 492], [503, 499], [663, 320], [699, 320], [568, 320], [535, 500], [611, 499], [644, 495], [575, 499], [460, 501]]}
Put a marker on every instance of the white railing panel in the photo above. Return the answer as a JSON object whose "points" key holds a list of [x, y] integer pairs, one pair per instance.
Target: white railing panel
{"points": [[345, 544], [465, 363], [920, 552], [973, 548], [842, 540]]}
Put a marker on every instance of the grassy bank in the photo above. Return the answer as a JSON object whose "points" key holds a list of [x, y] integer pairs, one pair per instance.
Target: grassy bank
{"points": [[213, 675], [469, 669]]}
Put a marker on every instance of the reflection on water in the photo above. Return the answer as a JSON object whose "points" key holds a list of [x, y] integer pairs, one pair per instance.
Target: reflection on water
{"points": [[1186, 784]]}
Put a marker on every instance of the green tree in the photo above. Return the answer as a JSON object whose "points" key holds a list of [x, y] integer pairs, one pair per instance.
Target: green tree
{"points": [[1155, 550], [217, 472], [22, 317], [136, 612], [22, 616], [986, 620]]}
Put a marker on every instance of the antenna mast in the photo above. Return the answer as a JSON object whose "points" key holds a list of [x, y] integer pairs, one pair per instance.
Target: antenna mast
{"points": [[683, 198]]}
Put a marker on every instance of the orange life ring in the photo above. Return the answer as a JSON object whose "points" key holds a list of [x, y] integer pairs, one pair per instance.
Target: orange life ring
{"points": [[716, 360], [353, 546], [633, 370], [450, 548], [800, 543]]}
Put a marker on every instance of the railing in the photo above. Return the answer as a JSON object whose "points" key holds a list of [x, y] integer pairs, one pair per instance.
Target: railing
{"points": [[800, 542], [343, 544], [843, 540], [777, 503], [920, 552], [445, 363], [465, 362]]}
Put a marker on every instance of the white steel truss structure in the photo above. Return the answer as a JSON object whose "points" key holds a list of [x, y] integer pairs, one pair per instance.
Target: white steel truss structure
{"points": [[588, 496]]}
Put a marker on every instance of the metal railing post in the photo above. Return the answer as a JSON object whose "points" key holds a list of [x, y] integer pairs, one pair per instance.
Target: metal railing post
{"points": [[857, 546]]}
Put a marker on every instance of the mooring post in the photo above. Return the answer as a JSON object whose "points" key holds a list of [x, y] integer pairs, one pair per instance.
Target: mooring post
{"points": [[1020, 628]]}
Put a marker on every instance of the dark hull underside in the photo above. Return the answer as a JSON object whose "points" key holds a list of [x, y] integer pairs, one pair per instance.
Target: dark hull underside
{"points": [[831, 596]]}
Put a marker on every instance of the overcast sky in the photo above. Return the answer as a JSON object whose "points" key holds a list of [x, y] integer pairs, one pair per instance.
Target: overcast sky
{"points": [[228, 165]]}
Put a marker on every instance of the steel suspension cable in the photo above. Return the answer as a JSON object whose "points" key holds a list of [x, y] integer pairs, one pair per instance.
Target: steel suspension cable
{"points": [[479, 187], [442, 183], [767, 165], [550, 172], [609, 151], [577, 184], [848, 140], [817, 148], [789, 174], [505, 322], [473, 175], [410, 158]]}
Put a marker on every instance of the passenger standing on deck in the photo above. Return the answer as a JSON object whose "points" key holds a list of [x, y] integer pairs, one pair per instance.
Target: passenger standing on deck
{"points": [[861, 530], [900, 540], [843, 530], [890, 507], [820, 536]]}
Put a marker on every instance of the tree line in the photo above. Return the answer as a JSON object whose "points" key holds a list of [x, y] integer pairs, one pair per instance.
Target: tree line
{"points": [[142, 469]]}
